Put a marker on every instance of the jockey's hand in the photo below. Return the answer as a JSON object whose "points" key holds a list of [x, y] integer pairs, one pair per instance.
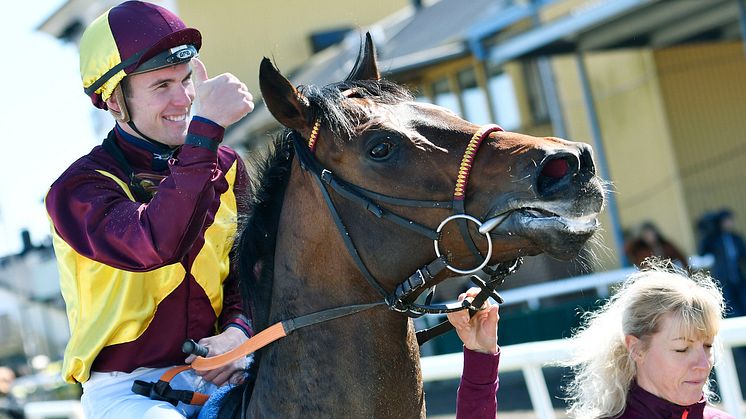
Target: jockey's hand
{"points": [[480, 332], [217, 345], [223, 99]]}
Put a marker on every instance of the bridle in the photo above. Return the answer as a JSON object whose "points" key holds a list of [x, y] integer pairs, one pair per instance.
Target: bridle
{"points": [[399, 299], [419, 280]]}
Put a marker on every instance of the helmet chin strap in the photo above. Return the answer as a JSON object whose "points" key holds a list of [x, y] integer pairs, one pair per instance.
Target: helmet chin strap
{"points": [[131, 124], [122, 114]]}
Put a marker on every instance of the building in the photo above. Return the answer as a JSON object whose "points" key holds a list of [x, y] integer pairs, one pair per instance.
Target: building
{"points": [[32, 313], [655, 86]]}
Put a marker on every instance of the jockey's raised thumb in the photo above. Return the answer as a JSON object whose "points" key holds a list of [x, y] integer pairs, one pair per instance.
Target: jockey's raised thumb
{"points": [[223, 99], [199, 72], [199, 76]]}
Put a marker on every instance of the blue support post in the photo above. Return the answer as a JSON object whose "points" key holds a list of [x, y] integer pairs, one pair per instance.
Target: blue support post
{"points": [[742, 20], [549, 84], [600, 156]]}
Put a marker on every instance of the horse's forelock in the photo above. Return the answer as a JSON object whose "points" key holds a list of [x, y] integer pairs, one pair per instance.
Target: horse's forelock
{"points": [[343, 116]]}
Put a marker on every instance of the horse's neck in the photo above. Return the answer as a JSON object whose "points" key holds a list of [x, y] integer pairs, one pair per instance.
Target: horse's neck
{"points": [[363, 365]]}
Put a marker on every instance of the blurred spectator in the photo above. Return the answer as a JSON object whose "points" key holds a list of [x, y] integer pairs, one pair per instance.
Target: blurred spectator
{"points": [[7, 376], [707, 225], [727, 248], [9, 407], [649, 242]]}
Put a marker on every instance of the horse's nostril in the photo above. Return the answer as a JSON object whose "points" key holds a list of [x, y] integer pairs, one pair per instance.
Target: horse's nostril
{"points": [[556, 168], [587, 168], [556, 173]]}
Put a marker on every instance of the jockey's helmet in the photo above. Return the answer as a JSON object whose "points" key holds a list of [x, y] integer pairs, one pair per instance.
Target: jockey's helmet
{"points": [[133, 37]]}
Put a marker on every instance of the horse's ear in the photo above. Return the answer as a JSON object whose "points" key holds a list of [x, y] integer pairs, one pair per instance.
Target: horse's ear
{"points": [[366, 67], [283, 101]]}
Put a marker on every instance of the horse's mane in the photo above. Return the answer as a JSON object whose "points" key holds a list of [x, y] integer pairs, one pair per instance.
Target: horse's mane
{"points": [[343, 117], [253, 250], [269, 172]]}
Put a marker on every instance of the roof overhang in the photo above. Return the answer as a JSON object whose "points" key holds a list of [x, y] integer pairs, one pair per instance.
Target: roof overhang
{"points": [[70, 20], [612, 24], [424, 58]]}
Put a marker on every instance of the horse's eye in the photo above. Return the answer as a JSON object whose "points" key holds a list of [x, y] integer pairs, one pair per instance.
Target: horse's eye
{"points": [[381, 150]]}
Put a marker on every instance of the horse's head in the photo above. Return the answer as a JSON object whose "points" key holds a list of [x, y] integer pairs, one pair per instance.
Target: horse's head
{"points": [[531, 194]]}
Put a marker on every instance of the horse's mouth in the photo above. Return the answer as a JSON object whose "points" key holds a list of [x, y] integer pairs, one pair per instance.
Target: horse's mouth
{"points": [[558, 235]]}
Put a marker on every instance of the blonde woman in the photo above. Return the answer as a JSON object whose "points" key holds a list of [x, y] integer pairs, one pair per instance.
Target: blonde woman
{"points": [[648, 352]]}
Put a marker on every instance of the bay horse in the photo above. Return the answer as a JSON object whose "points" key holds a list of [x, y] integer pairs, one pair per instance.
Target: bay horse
{"points": [[361, 186]]}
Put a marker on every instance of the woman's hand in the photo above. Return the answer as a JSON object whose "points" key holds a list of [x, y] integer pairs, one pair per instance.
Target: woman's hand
{"points": [[480, 332]]}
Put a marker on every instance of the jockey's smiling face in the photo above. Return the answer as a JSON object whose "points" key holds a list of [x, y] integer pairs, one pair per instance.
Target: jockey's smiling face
{"points": [[159, 102]]}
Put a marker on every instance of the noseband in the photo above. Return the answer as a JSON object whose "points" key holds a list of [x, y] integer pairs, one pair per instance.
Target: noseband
{"points": [[398, 300]]}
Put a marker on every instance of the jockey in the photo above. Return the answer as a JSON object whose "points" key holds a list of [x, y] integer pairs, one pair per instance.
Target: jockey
{"points": [[143, 225]]}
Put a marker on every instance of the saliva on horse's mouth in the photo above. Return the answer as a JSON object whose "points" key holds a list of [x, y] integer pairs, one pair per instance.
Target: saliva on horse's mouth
{"points": [[577, 225], [495, 221]]}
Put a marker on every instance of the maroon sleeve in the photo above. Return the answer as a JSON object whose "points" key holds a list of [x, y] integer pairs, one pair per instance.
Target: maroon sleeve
{"points": [[233, 313], [93, 214], [477, 391]]}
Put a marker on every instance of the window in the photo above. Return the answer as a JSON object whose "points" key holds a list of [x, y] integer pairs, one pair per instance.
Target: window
{"points": [[443, 96], [537, 101], [504, 100], [475, 102]]}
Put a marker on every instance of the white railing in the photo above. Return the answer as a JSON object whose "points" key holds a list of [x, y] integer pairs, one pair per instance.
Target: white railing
{"points": [[532, 294], [530, 357]]}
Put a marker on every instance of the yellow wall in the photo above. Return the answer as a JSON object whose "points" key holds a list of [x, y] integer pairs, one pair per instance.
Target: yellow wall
{"points": [[636, 139], [238, 33], [704, 90]]}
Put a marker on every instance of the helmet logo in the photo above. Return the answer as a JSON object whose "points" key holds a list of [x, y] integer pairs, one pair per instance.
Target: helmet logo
{"points": [[184, 54], [181, 53]]}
